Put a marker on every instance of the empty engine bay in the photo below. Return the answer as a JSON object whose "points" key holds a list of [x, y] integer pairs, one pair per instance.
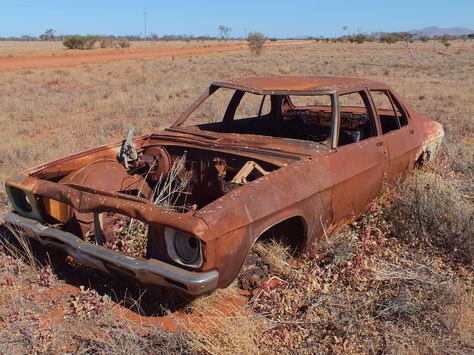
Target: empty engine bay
{"points": [[199, 176], [176, 178]]}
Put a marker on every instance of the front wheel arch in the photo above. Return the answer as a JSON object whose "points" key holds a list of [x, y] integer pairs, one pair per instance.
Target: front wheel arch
{"points": [[292, 231]]}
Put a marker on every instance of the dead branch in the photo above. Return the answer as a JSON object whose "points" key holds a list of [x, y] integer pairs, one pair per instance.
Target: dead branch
{"points": [[460, 50], [407, 43]]}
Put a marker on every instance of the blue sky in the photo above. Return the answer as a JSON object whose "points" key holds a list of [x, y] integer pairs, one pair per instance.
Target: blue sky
{"points": [[275, 18]]}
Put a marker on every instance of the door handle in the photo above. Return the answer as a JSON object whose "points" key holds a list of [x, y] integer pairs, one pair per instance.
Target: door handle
{"points": [[379, 144]]}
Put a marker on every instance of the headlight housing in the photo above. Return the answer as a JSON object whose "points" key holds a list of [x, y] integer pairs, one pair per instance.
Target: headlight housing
{"points": [[183, 248]]}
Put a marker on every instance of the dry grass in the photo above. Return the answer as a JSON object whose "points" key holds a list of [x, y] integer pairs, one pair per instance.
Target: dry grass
{"points": [[60, 111], [224, 333], [9, 49], [277, 254], [432, 210], [412, 289]]}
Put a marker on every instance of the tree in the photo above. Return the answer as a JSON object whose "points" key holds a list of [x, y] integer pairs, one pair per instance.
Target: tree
{"points": [[256, 40], [224, 31], [48, 35]]}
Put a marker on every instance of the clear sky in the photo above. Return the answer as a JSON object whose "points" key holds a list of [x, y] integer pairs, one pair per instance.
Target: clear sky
{"points": [[275, 18]]}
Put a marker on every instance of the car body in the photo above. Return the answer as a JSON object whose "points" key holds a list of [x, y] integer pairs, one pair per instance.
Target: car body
{"points": [[313, 153]]}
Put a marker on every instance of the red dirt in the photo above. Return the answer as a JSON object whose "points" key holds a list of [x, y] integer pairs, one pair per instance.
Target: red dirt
{"points": [[18, 63], [173, 321]]}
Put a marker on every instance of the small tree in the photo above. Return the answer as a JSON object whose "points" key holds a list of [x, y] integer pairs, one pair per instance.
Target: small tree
{"points": [[256, 40], [224, 32], [48, 35]]}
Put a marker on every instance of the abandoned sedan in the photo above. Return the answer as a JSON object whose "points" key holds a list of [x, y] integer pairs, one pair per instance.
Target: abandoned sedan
{"points": [[286, 156]]}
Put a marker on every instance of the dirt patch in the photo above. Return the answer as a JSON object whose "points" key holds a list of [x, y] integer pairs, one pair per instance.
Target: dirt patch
{"points": [[14, 63]]}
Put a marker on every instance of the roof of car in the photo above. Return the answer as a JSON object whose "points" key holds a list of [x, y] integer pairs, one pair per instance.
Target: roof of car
{"points": [[296, 84]]}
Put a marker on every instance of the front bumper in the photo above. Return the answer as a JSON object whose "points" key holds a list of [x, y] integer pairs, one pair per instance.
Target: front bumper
{"points": [[150, 271]]}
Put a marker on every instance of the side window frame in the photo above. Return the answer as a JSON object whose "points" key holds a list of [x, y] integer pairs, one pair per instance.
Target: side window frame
{"points": [[365, 95], [397, 104], [389, 96]]}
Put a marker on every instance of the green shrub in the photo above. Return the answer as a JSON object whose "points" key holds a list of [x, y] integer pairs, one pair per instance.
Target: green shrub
{"points": [[360, 38], [256, 40], [80, 42], [394, 37], [389, 38]]}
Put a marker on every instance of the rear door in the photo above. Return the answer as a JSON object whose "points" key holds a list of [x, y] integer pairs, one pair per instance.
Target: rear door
{"points": [[398, 133], [361, 159]]}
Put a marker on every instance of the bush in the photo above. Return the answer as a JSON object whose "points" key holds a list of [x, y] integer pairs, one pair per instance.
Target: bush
{"points": [[360, 38], [431, 210], [394, 37], [106, 42], [424, 39], [256, 40], [80, 42], [124, 43], [389, 38], [445, 40]]}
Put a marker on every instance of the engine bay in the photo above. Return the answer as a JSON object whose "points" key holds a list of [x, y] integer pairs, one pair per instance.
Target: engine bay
{"points": [[176, 177]]}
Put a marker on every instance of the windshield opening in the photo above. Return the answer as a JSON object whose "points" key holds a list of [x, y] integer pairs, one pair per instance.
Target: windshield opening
{"points": [[302, 117]]}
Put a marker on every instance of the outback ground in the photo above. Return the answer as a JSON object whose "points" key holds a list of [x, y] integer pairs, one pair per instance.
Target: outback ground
{"points": [[400, 280]]}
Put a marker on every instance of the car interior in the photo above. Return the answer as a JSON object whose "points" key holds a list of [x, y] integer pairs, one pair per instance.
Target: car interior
{"points": [[311, 122]]}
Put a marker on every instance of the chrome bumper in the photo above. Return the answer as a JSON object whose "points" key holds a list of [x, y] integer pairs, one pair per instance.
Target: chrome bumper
{"points": [[147, 271]]}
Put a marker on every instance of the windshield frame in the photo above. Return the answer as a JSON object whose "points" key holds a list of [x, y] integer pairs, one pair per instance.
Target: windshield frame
{"points": [[330, 141]]}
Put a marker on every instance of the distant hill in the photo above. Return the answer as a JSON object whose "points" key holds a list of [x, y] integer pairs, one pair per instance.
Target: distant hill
{"points": [[436, 31]]}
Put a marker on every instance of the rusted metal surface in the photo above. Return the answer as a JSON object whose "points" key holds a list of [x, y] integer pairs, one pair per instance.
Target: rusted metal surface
{"points": [[239, 181], [296, 84]]}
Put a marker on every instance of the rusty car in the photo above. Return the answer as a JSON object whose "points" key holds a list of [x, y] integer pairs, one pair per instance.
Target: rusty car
{"points": [[280, 155]]}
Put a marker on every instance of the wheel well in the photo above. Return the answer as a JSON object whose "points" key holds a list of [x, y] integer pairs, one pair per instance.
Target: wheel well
{"points": [[291, 231]]}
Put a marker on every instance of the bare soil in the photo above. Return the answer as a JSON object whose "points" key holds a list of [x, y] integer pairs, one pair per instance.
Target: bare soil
{"points": [[97, 57]]}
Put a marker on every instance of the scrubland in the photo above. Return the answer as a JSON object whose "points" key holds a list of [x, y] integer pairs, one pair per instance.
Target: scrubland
{"points": [[11, 49], [399, 280]]}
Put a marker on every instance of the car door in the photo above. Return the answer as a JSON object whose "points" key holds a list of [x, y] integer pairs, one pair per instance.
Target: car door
{"points": [[361, 159], [398, 134]]}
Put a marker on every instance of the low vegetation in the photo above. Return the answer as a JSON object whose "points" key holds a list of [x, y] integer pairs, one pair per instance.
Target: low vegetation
{"points": [[370, 287], [256, 41], [80, 42], [404, 285]]}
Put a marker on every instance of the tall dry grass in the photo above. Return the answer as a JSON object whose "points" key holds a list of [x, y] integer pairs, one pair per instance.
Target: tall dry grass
{"points": [[431, 210]]}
